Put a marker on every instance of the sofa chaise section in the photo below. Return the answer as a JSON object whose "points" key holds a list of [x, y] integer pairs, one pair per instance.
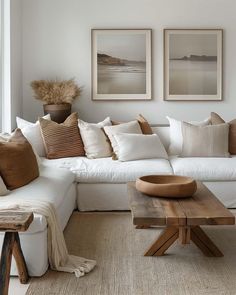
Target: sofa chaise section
{"points": [[53, 185]]}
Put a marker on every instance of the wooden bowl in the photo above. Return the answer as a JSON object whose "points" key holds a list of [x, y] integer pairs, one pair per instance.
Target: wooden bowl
{"points": [[169, 186]]}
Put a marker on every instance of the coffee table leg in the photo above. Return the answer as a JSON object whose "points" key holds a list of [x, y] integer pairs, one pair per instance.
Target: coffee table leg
{"points": [[204, 243], [20, 260], [164, 241], [5, 264]]}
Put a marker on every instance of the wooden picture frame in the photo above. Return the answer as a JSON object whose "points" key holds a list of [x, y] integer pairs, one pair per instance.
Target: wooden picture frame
{"points": [[193, 62], [121, 64]]}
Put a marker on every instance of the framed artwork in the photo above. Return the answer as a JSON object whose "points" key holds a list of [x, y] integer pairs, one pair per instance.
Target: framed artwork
{"points": [[193, 64], [121, 64]]}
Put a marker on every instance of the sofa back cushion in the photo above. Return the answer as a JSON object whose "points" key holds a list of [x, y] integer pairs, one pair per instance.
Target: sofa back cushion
{"points": [[216, 119], [18, 163], [205, 141], [62, 140]]}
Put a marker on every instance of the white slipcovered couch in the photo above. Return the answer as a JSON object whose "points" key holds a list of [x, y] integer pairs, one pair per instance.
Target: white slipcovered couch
{"points": [[100, 184]]}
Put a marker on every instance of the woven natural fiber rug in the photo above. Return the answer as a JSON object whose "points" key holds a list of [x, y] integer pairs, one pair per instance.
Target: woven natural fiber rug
{"points": [[118, 247]]}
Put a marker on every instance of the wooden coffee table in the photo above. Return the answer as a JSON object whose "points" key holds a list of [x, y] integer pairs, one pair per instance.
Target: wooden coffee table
{"points": [[182, 219]]}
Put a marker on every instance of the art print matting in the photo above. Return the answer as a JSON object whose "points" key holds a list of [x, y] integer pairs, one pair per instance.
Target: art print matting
{"points": [[121, 64], [193, 64]]}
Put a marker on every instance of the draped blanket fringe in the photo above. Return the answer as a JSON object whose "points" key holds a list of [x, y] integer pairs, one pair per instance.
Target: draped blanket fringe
{"points": [[59, 258]]}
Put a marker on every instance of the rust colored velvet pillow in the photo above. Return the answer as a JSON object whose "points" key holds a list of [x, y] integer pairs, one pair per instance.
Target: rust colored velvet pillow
{"points": [[18, 163], [216, 119], [143, 123], [62, 140]]}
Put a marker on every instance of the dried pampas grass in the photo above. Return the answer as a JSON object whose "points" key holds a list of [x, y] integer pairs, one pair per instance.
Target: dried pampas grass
{"points": [[56, 92]]}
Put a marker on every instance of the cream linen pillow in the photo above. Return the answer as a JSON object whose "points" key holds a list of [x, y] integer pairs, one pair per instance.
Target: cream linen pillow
{"points": [[205, 141], [32, 133], [176, 137], [130, 127], [3, 189], [96, 143], [138, 146]]}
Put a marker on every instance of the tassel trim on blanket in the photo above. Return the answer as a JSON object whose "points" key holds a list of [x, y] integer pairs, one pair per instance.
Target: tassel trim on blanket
{"points": [[59, 258]]}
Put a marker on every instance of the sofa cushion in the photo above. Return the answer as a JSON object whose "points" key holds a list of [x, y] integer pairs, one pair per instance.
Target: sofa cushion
{"points": [[108, 171], [51, 185], [205, 169]]}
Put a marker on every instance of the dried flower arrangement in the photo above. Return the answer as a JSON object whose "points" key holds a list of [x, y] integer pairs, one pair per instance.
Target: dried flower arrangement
{"points": [[56, 92]]}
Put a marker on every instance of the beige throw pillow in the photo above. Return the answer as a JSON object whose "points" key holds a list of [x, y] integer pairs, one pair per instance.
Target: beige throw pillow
{"points": [[216, 119], [205, 141], [176, 136], [130, 127], [96, 143], [62, 140]]}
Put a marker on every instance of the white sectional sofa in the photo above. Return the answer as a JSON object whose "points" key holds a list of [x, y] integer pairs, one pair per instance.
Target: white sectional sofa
{"points": [[100, 184]]}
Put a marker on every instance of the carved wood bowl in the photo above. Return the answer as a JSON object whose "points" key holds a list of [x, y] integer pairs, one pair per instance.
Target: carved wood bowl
{"points": [[168, 186]]}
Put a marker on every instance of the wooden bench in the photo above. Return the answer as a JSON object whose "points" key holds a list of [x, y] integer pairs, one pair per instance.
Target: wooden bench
{"points": [[11, 223]]}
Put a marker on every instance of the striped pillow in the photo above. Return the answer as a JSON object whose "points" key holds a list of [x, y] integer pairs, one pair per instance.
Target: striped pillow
{"points": [[62, 140]]}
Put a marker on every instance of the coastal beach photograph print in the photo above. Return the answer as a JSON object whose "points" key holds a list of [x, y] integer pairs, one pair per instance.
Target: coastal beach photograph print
{"points": [[121, 64], [192, 64]]}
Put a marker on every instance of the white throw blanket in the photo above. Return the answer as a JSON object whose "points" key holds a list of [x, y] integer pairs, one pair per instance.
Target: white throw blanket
{"points": [[59, 259]]}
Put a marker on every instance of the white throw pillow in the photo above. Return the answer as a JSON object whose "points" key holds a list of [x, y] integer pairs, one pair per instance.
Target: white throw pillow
{"points": [[33, 134], [130, 127], [3, 189], [176, 136], [96, 143], [138, 146]]}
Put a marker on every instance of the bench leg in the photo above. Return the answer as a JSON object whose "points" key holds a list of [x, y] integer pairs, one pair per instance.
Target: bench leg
{"points": [[20, 260], [5, 264]]}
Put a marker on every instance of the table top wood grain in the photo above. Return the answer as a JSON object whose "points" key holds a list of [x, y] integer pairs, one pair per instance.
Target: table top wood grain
{"points": [[203, 208]]}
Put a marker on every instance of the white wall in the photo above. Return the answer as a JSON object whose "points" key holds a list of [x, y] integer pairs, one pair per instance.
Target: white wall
{"points": [[16, 61], [56, 43]]}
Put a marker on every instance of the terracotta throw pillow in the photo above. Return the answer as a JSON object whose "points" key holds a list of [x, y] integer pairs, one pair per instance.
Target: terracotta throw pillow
{"points": [[18, 163], [62, 140], [216, 119], [143, 123]]}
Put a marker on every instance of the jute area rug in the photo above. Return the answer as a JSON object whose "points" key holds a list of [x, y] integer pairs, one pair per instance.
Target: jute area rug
{"points": [[118, 247]]}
